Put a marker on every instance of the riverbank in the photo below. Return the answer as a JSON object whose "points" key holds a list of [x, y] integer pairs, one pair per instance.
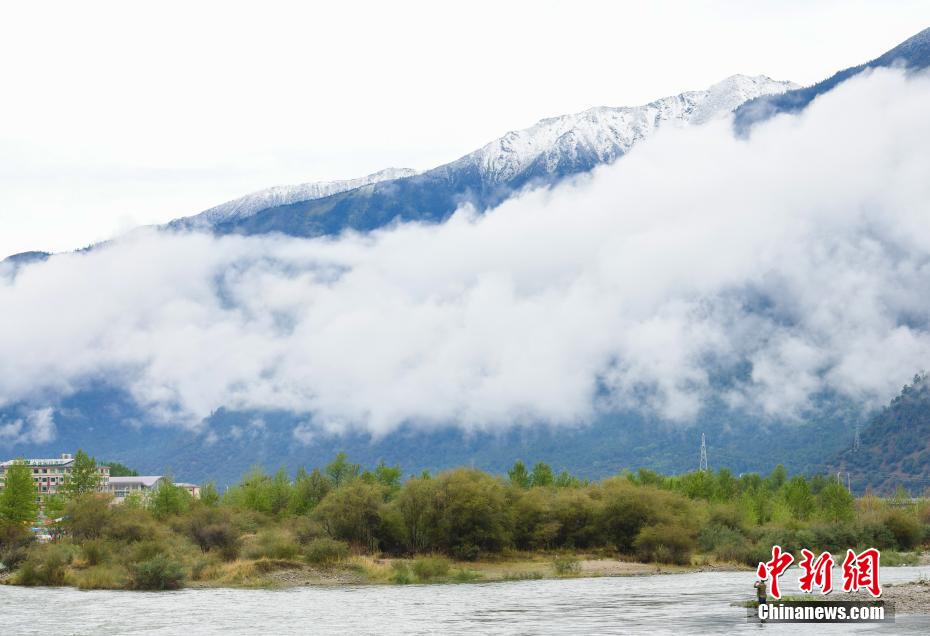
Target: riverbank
{"points": [[908, 598], [267, 573], [364, 570]]}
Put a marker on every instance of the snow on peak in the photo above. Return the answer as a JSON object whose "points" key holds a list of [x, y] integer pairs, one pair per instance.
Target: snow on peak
{"points": [[604, 133], [284, 194]]}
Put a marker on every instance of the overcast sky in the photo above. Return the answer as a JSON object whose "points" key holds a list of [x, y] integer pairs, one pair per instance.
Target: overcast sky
{"points": [[119, 114]]}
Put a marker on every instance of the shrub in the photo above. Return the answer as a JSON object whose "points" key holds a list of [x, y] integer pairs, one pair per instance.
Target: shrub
{"points": [[727, 516], [326, 551], [15, 540], [130, 524], [144, 551], [212, 529], [665, 544], [272, 544], [474, 515], [905, 529], [876, 534], [835, 537], [400, 573], [306, 530], [430, 567], [45, 566], [88, 516], [352, 513], [566, 565], [94, 551], [157, 573]]}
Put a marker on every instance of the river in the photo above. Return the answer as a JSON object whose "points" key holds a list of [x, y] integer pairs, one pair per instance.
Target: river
{"points": [[665, 604]]}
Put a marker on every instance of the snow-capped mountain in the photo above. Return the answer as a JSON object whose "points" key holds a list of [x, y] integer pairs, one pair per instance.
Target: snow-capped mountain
{"points": [[604, 133], [285, 194], [542, 154]]}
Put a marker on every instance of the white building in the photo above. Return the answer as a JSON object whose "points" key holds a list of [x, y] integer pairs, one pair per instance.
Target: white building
{"points": [[122, 487]]}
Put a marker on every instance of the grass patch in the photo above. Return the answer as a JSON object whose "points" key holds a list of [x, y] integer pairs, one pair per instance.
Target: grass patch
{"points": [[400, 573], [891, 558], [431, 567], [326, 552], [463, 575], [566, 566], [101, 577]]}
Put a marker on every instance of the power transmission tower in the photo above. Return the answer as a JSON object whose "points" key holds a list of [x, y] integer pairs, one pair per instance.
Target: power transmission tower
{"points": [[703, 466], [857, 442]]}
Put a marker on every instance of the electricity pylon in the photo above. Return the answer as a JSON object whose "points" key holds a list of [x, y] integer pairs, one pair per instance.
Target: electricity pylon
{"points": [[703, 466]]}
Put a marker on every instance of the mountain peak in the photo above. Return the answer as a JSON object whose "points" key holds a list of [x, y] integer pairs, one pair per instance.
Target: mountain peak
{"points": [[603, 133]]}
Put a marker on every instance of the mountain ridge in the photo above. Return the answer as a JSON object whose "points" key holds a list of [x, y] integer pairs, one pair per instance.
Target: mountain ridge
{"points": [[913, 54]]}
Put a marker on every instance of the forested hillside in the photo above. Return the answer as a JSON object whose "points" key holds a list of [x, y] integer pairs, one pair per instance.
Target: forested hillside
{"points": [[894, 448]]}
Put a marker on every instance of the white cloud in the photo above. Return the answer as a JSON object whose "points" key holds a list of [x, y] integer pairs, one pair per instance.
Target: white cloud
{"points": [[37, 427], [802, 251], [117, 115]]}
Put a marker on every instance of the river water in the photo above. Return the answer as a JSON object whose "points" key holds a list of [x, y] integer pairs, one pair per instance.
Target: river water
{"points": [[664, 604]]}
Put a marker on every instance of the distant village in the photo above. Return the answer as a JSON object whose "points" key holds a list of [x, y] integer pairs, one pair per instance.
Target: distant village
{"points": [[50, 476]]}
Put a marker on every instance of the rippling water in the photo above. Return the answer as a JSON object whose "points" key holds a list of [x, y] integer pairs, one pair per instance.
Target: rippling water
{"points": [[667, 604]]}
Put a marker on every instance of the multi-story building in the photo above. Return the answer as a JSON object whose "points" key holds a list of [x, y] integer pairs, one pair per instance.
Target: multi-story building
{"points": [[50, 475], [122, 487]]}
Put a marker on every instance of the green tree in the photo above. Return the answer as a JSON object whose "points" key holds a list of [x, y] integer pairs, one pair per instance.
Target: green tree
{"points": [[352, 513], [119, 470], [252, 492], [542, 475], [836, 503], [472, 513], [208, 495], [777, 477], [519, 476], [726, 486], [84, 477], [341, 471], [416, 503], [168, 499], [18, 497], [566, 480], [308, 491], [279, 492], [388, 476], [799, 498]]}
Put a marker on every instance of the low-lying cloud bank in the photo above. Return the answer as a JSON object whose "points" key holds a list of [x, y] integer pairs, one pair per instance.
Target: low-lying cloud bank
{"points": [[793, 262]]}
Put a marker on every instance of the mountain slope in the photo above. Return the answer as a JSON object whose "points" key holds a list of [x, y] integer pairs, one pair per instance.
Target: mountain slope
{"points": [[895, 447], [552, 149], [104, 422], [913, 53], [249, 204]]}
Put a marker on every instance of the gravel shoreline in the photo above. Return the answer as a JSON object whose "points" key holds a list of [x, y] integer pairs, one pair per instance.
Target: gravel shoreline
{"points": [[908, 598]]}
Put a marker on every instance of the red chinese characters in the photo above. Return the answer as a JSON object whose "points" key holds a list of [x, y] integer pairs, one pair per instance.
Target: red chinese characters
{"points": [[775, 568], [861, 571], [819, 572]]}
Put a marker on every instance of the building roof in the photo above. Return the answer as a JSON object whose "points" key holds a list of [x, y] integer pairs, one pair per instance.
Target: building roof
{"points": [[145, 480], [39, 462]]}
